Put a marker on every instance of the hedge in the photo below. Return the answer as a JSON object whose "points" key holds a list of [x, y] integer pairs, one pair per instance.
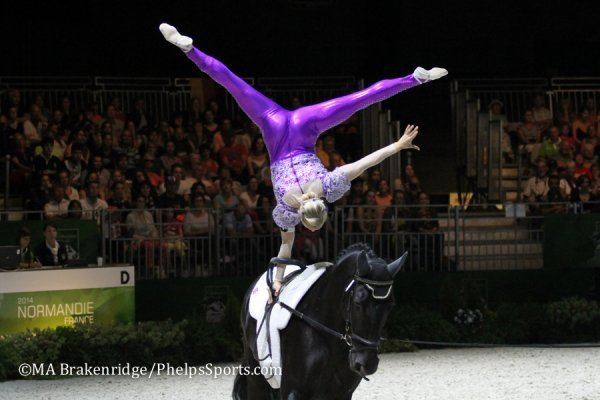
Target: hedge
{"points": [[196, 341]]}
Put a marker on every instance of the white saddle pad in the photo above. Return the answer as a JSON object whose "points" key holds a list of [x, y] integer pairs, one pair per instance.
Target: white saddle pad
{"points": [[291, 294]]}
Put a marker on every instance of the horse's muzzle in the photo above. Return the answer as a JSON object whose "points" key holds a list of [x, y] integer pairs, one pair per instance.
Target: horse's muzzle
{"points": [[363, 362]]}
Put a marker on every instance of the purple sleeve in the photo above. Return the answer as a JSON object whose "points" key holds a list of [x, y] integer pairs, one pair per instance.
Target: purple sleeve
{"points": [[335, 185], [285, 217]]}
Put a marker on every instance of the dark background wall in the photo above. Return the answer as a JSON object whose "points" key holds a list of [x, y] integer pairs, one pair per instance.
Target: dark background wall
{"points": [[371, 39], [368, 39]]}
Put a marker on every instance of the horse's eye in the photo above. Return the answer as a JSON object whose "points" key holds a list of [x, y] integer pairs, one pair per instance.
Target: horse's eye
{"points": [[360, 294]]}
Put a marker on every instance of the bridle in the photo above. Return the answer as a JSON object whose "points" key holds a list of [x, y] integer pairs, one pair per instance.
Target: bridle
{"points": [[349, 336], [354, 341]]}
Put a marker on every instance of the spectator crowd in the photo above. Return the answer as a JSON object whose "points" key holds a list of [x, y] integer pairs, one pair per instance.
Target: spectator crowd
{"points": [[560, 152], [76, 163]]}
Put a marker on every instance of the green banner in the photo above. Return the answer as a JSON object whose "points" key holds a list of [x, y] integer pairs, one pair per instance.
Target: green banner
{"points": [[63, 297], [81, 237], [572, 241]]}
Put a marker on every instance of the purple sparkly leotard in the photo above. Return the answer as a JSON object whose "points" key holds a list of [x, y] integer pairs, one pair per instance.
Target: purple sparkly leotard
{"points": [[290, 136]]}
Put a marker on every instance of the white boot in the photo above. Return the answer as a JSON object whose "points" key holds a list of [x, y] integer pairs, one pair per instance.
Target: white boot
{"points": [[423, 75], [170, 33]]}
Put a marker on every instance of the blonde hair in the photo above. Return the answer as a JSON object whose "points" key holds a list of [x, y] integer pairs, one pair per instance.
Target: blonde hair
{"points": [[313, 211]]}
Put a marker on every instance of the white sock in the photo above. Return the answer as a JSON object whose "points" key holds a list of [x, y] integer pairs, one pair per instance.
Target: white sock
{"points": [[170, 33], [423, 75]]}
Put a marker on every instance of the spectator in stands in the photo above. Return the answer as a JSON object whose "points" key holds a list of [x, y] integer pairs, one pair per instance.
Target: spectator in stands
{"points": [[51, 252], [149, 193], [115, 118], [541, 114], [335, 160], [550, 146], [92, 205], [118, 177], [41, 194], [583, 191], [383, 198], [75, 164], [250, 195], [210, 125], [34, 124], [171, 198], [26, 253], [258, 159], [565, 154], [117, 197], [21, 167], [58, 206], [172, 227], [581, 125], [238, 222], [226, 199], [107, 151], [396, 218], [412, 189], [129, 146], [75, 210], [45, 162], [536, 187], [369, 217], [64, 179], [183, 145], [235, 157], [581, 167], [565, 114], [97, 167], [425, 215], [373, 182], [198, 138], [198, 221], [140, 117], [194, 114], [530, 135], [589, 147], [554, 195], [170, 157]]}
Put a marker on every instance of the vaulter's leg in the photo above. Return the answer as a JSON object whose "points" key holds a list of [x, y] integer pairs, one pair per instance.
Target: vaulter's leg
{"points": [[254, 103], [333, 112]]}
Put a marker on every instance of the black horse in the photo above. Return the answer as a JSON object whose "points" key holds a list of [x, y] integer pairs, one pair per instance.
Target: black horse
{"points": [[328, 349]]}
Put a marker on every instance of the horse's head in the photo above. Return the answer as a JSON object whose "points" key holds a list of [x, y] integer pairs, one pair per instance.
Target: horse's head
{"points": [[368, 302]]}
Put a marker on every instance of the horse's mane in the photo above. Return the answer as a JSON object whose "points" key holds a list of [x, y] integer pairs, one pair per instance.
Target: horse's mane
{"points": [[355, 247]]}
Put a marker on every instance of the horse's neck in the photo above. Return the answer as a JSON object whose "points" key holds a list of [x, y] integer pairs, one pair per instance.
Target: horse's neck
{"points": [[327, 297]]}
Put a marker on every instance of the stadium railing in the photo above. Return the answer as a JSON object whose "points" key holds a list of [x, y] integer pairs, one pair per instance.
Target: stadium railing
{"points": [[437, 238]]}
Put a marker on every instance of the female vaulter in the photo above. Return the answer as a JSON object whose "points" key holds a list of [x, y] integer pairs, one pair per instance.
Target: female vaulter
{"points": [[300, 180]]}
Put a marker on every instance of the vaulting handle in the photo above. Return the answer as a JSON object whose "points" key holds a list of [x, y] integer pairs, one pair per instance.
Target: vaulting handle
{"points": [[287, 261]]}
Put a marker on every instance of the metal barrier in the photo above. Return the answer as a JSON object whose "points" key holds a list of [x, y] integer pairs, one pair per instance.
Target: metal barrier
{"points": [[437, 238]]}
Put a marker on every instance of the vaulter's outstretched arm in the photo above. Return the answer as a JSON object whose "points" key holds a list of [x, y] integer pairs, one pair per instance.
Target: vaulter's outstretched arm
{"points": [[355, 169], [254, 103], [333, 112]]}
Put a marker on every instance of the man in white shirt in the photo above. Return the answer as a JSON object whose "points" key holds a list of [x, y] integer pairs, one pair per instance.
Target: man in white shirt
{"points": [[92, 206], [536, 187], [58, 207]]}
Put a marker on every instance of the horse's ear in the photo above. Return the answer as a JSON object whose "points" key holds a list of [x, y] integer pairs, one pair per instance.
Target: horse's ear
{"points": [[362, 264], [396, 266]]}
